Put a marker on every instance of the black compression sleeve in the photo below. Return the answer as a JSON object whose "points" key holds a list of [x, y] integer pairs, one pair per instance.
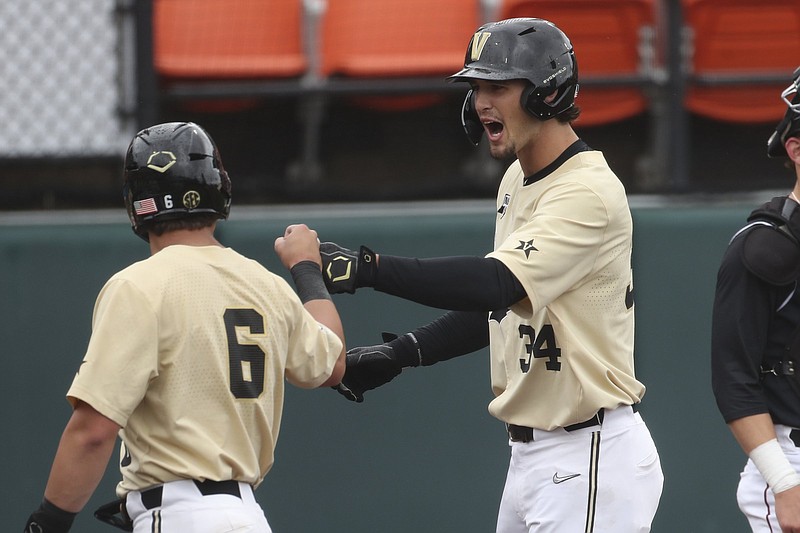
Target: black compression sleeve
{"points": [[451, 335], [460, 283]]}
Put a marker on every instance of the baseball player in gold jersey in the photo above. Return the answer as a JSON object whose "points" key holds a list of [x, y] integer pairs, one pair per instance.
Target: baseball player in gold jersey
{"points": [[188, 356], [557, 291]]}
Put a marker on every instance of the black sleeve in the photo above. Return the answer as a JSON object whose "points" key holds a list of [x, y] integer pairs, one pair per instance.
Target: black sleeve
{"points": [[459, 283], [743, 305], [451, 335]]}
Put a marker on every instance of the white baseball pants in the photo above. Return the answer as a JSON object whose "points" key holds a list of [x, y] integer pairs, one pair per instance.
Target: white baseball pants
{"points": [[184, 509], [600, 479], [755, 498]]}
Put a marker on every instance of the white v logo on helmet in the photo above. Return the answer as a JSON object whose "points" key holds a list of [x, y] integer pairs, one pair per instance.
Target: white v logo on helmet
{"points": [[478, 42]]}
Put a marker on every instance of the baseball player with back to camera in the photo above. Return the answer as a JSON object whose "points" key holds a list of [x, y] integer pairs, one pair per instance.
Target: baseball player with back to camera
{"points": [[755, 343], [188, 356], [553, 301]]}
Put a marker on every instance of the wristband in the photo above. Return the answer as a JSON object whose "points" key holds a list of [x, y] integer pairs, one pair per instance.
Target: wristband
{"points": [[49, 518], [774, 466], [307, 278]]}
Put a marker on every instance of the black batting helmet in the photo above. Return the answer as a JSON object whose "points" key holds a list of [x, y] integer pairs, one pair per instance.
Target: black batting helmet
{"points": [[790, 124], [528, 49], [173, 171]]}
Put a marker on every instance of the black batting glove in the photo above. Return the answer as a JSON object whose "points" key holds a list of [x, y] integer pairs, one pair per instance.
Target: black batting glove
{"points": [[345, 270], [369, 367], [49, 519], [115, 514]]}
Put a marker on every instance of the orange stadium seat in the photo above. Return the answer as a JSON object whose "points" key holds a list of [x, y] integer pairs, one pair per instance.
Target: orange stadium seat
{"points": [[608, 38], [750, 39], [230, 39], [367, 39]]}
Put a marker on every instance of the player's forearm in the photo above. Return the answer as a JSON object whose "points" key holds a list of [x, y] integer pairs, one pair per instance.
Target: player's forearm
{"points": [[452, 335], [752, 431], [756, 435], [81, 459], [311, 289], [462, 283]]}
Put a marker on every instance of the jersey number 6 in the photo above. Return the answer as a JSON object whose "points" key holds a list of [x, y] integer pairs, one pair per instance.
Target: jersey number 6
{"points": [[247, 361]]}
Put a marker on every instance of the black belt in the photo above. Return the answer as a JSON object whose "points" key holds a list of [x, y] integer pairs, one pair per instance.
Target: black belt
{"points": [[795, 436], [151, 498], [525, 434]]}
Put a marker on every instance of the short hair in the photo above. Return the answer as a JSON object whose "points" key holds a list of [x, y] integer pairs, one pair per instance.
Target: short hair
{"points": [[568, 116], [194, 222]]}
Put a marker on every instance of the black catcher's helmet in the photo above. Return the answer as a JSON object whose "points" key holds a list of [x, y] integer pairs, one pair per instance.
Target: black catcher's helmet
{"points": [[528, 49], [172, 171], [790, 125]]}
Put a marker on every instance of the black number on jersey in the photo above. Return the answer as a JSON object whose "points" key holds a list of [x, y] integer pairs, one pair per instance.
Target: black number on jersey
{"points": [[246, 361], [540, 346]]}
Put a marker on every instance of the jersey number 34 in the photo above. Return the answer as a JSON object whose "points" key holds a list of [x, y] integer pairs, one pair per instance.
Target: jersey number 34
{"points": [[541, 346]]}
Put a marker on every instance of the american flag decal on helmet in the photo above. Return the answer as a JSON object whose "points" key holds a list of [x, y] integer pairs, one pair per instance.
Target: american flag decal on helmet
{"points": [[145, 207]]}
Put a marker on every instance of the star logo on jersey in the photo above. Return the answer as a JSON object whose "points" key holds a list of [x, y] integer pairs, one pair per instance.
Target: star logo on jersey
{"points": [[527, 247]]}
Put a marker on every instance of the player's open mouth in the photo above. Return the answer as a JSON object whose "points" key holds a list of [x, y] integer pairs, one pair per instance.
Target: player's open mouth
{"points": [[494, 130]]}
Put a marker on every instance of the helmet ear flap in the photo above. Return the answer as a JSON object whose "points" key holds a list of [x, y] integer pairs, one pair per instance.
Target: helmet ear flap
{"points": [[470, 119], [775, 142], [529, 100], [534, 102]]}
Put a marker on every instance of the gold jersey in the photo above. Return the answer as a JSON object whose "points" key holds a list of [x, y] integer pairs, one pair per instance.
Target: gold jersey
{"points": [[189, 353], [567, 350]]}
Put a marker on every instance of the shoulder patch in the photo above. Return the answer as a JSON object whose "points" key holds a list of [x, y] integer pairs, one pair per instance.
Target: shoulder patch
{"points": [[771, 254]]}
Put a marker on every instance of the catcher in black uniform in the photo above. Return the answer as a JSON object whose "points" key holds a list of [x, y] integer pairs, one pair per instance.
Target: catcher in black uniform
{"points": [[755, 346]]}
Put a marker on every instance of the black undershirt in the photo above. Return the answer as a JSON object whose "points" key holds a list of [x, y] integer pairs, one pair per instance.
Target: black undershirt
{"points": [[470, 287], [458, 283]]}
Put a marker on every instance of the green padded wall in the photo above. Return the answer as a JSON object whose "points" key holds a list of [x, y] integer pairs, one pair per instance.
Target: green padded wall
{"points": [[422, 453]]}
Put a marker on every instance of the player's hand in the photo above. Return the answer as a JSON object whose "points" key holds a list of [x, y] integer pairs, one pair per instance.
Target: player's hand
{"points": [[299, 243], [346, 270], [787, 507], [369, 367]]}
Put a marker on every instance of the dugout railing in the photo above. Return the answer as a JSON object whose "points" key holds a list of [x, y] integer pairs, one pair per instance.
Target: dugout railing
{"points": [[684, 63]]}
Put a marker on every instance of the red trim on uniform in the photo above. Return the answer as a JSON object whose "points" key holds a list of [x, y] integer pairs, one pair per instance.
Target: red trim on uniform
{"points": [[766, 504]]}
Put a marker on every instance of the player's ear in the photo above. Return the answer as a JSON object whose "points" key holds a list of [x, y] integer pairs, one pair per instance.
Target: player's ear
{"points": [[793, 149]]}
